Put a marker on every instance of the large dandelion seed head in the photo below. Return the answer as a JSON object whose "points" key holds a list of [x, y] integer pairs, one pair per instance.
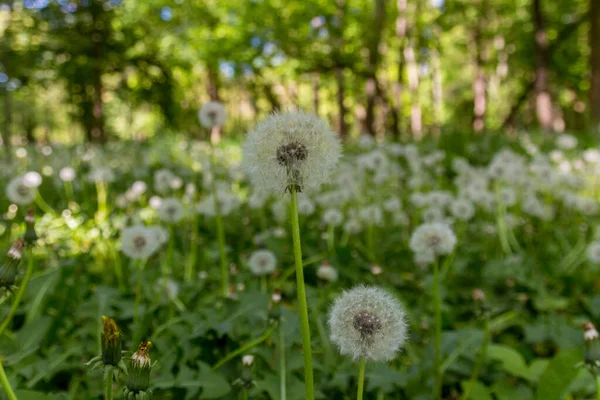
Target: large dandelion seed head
{"points": [[293, 148], [262, 262], [367, 322], [19, 193], [212, 114]]}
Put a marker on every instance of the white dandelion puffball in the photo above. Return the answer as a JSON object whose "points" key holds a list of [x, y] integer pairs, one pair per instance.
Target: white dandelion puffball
{"points": [[293, 148], [19, 193], [67, 174], [170, 210], [433, 237], [212, 114], [333, 217], [101, 174], [327, 273], [32, 179], [139, 242], [462, 209], [367, 322], [262, 262], [593, 252]]}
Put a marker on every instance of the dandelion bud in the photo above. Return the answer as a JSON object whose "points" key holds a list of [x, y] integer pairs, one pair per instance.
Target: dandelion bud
{"points": [[30, 236], [138, 381], [275, 306], [111, 342], [8, 271], [592, 346], [293, 148], [367, 322]]}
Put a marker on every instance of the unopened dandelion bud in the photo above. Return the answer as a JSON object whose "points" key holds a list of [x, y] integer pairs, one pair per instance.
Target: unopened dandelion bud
{"points": [[112, 345], [246, 378], [30, 236], [592, 346], [275, 306], [138, 381]]}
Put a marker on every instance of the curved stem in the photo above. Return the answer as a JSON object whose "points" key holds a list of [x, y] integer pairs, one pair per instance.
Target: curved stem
{"points": [[361, 379], [108, 384], [220, 231], [10, 394], [19, 295], [303, 307], [244, 348], [480, 359], [437, 388], [41, 203]]}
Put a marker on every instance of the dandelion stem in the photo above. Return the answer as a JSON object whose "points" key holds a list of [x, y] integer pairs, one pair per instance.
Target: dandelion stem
{"points": [[19, 295], [108, 384], [303, 308], [361, 379], [282, 367], [331, 239], [480, 359], [220, 230], [437, 387], [101, 194], [245, 348], [45, 207], [598, 387], [69, 191], [10, 394], [138, 294], [191, 262]]}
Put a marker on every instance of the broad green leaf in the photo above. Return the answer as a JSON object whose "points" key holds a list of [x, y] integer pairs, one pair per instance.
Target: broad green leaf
{"points": [[558, 376], [511, 360], [478, 392]]}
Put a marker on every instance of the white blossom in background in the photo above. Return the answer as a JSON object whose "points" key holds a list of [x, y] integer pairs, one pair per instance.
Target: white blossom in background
{"points": [[139, 242], [32, 179], [19, 193], [170, 210], [593, 252], [162, 180], [437, 238], [212, 114], [327, 272], [333, 217], [306, 206], [294, 148], [262, 262], [101, 174], [368, 322], [462, 209]]}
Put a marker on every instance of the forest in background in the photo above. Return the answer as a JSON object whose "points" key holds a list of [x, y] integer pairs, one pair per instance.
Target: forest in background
{"points": [[94, 70]]}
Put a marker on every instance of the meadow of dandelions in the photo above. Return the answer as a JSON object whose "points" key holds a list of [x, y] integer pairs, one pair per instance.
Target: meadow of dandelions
{"points": [[287, 264]]}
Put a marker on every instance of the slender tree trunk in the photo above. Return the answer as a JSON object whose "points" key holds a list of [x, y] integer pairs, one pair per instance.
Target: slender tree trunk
{"points": [[213, 82], [437, 94], [371, 85], [543, 101], [412, 70], [316, 81], [341, 93], [479, 83], [594, 15], [398, 87]]}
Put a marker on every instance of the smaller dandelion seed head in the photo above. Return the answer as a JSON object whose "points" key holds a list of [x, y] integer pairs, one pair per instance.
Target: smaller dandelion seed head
{"points": [[141, 358]]}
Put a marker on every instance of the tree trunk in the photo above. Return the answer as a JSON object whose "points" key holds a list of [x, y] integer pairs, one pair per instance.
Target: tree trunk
{"points": [[479, 83], [413, 85], [213, 82], [543, 101], [594, 15], [6, 131], [437, 94], [371, 85], [342, 127], [316, 88], [401, 30]]}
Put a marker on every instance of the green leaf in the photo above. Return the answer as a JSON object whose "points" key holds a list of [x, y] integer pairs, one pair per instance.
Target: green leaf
{"points": [[479, 391], [214, 385], [512, 361], [558, 376], [510, 390]]}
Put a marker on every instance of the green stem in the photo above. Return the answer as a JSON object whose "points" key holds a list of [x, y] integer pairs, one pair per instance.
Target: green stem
{"points": [[282, 367], [101, 195], [6, 384], [138, 294], [19, 295], [220, 231], [598, 386], [437, 388], [69, 192], [191, 262], [245, 348], [45, 207], [167, 268], [108, 384], [480, 359], [303, 308], [331, 239], [361, 379]]}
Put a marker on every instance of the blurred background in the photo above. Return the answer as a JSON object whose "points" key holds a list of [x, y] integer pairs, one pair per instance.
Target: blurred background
{"points": [[96, 70]]}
